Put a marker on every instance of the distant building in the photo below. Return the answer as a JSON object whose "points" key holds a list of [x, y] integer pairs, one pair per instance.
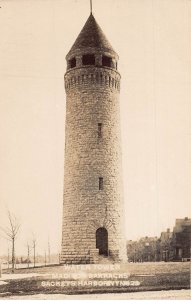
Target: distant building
{"points": [[150, 248], [176, 245], [182, 237], [145, 249], [171, 246], [167, 245]]}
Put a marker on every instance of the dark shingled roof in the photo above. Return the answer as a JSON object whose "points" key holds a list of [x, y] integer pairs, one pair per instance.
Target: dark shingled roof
{"points": [[91, 36]]}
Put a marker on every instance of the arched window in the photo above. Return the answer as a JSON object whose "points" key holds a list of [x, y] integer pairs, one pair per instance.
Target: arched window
{"points": [[102, 241], [88, 59]]}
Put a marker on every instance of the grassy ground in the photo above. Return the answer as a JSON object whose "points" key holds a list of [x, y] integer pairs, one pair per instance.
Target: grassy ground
{"points": [[126, 278]]}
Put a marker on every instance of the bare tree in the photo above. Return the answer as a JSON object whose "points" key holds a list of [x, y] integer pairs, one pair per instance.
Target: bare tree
{"points": [[48, 251], [0, 269], [28, 254], [45, 257], [8, 258], [10, 233], [34, 250]]}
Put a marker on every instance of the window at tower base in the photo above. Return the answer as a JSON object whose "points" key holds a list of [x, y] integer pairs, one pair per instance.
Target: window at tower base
{"points": [[106, 61], [72, 63], [88, 59]]}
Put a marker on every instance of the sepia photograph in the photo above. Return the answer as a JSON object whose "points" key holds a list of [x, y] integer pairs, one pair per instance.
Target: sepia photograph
{"points": [[95, 149]]}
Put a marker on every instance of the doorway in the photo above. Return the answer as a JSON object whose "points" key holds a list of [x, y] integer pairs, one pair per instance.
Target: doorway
{"points": [[102, 241]]}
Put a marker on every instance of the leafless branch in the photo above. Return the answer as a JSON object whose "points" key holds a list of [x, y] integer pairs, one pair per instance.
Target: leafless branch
{"points": [[10, 233]]}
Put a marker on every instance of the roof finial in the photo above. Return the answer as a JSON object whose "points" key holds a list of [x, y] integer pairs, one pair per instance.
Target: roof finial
{"points": [[90, 7]]}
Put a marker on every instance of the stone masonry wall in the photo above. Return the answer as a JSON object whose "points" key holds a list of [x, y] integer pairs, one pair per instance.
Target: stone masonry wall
{"points": [[92, 98]]}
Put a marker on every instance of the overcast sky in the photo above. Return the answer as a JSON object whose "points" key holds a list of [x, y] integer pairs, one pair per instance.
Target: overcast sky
{"points": [[153, 40]]}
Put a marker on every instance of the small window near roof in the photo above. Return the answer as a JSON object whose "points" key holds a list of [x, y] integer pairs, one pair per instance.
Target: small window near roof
{"points": [[106, 61], [88, 59], [72, 62]]}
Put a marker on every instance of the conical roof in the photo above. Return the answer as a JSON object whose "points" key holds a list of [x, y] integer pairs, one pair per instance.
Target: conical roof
{"points": [[91, 36]]}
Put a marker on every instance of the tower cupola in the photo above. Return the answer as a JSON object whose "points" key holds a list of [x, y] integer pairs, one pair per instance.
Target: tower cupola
{"points": [[91, 48]]}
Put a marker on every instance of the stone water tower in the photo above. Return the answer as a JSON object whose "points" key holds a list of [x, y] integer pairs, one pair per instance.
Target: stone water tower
{"points": [[93, 225]]}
